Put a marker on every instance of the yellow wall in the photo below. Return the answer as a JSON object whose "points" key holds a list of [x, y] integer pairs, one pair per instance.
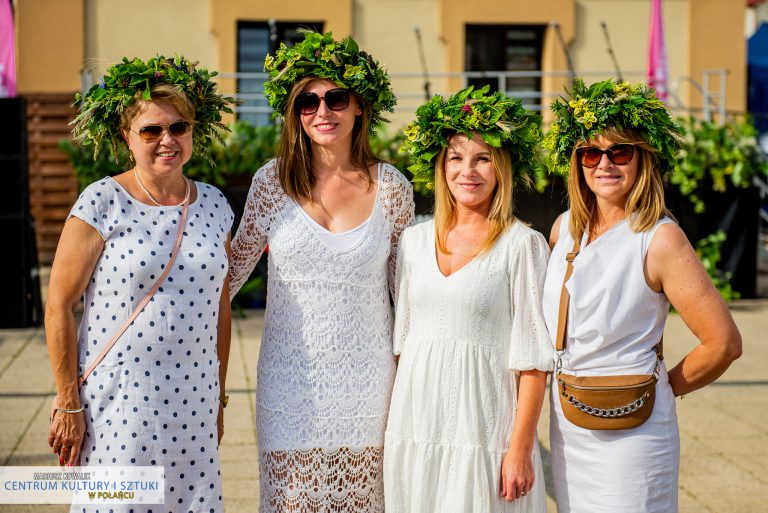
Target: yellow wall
{"points": [[224, 14], [629, 40], [385, 29], [144, 28], [57, 37], [717, 41], [49, 38], [699, 35]]}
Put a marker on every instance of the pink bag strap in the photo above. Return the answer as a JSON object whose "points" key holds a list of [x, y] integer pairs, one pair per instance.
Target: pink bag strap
{"points": [[143, 302]]}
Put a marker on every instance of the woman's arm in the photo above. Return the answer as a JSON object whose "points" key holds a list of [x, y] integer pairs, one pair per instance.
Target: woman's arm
{"points": [[79, 248], [223, 340], [517, 472], [250, 238], [672, 267]]}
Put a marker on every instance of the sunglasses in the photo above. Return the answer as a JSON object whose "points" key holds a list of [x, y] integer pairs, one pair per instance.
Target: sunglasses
{"points": [[335, 99], [152, 133], [619, 154]]}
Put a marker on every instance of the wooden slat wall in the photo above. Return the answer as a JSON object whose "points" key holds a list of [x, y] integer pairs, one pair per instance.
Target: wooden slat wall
{"points": [[52, 182]]}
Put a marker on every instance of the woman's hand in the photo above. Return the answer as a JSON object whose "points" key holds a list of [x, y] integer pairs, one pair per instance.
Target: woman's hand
{"points": [[220, 422], [66, 436], [517, 475]]}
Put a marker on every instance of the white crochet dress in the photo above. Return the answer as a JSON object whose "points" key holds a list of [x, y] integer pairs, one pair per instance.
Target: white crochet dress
{"points": [[325, 369]]}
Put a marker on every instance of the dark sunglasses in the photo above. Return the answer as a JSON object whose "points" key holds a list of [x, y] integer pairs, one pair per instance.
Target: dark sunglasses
{"points": [[619, 154], [152, 133], [335, 99]]}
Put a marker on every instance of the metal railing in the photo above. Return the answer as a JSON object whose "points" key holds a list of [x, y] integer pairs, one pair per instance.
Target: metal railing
{"points": [[409, 87]]}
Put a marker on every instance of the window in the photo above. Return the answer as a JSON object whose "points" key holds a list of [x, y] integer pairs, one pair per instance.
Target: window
{"points": [[506, 48], [254, 40]]}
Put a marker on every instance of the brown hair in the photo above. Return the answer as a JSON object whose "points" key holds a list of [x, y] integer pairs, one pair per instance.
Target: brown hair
{"points": [[160, 92], [501, 214], [645, 203], [294, 153]]}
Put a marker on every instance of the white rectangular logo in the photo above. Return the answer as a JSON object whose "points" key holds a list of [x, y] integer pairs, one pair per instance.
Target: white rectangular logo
{"points": [[82, 485]]}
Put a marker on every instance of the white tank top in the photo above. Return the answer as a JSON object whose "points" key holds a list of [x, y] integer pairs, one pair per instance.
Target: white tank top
{"points": [[614, 320], [341, 241]]}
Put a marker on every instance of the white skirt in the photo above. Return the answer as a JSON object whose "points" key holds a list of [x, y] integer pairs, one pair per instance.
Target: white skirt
{"points": [[632, 471]]}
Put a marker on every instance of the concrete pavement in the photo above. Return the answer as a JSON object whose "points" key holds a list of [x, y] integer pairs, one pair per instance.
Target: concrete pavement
{"points": [[723, 428]]}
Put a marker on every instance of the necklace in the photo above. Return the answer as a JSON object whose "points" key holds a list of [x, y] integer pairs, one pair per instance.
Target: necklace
{"points": [[153, 200]]}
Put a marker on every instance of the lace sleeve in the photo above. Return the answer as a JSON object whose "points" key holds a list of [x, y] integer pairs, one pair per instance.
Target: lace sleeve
{"points": [[400, 209], [402, 305], [530, 346], [251, 237]]}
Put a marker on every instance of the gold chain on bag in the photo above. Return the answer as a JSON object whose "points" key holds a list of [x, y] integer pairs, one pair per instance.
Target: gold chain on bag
{"points": [[602, 402]]}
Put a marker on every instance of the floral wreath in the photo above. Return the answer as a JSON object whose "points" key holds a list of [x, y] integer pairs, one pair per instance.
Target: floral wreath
{"points": [[341, 62], [100, 108], [606, 104], [501, 121]]}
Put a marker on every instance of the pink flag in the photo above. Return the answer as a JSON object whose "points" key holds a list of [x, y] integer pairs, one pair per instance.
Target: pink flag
{"points": [[7, 53], [657, 53]]}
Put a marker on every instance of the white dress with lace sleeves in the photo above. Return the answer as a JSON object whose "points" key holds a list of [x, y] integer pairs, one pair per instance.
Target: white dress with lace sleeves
{"points": [[461, 339], [325, 368]]}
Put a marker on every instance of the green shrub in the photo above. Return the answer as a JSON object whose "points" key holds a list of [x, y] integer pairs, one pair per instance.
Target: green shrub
{"points": [[717, 157]]}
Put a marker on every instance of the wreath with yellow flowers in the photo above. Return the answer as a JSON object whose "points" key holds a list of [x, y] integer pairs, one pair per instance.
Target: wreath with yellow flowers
{"points": [[501, 121], [341, 62], [586, 111], [125, 82]]}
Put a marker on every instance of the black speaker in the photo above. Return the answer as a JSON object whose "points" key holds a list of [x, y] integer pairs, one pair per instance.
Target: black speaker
{"points": [[20, 305], [13, 129], [14, 194]]}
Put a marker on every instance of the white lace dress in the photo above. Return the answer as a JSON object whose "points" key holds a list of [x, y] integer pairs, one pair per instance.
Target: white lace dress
{"points": [[461, 338], [326, 369]]}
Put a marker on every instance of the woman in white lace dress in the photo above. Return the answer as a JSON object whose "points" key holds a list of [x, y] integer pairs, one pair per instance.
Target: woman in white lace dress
{"points": [[332, 215], [469, 329]]}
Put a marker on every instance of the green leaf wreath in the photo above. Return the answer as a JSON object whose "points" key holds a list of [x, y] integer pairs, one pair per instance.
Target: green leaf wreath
{"points": [[586, 111], [125, 82], [501, 121], [341, 62]]}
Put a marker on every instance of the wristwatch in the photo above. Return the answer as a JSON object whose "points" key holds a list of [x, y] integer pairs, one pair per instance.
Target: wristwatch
{"points": [[224, 400]]}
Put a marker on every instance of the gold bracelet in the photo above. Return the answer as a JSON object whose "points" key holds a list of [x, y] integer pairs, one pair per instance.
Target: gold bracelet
{"points": [[224, 400]]}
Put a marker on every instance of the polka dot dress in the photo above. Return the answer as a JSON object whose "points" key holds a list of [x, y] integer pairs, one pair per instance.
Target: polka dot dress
{"points": [[154, 398]]}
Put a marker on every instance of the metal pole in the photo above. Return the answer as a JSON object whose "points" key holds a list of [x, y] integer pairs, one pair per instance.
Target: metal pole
{"points": [[423, 60], [571, 70], [707, 113], [609, 47]]}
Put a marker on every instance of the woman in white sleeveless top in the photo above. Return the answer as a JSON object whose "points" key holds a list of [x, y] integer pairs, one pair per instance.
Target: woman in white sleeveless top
{"points": [[332, 215], [616, 140]]}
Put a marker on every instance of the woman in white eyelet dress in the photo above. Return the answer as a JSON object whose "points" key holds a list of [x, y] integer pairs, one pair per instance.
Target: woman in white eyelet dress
{"points": [[325, 367]]}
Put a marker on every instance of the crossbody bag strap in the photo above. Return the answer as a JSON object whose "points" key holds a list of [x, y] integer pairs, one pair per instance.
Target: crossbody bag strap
{"points": [[144, 301], [565, 297]]}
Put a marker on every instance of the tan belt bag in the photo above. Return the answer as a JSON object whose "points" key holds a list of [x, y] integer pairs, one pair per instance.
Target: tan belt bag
{"points": [[602, 402]]}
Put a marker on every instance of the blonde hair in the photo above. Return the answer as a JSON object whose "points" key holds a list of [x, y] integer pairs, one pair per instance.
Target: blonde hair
{"points": [[645, 203], [501, 215], [294, 153], [160, 92]]}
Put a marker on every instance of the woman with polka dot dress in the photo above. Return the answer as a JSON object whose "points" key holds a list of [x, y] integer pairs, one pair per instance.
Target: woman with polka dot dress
{"points": [[156, 398]]}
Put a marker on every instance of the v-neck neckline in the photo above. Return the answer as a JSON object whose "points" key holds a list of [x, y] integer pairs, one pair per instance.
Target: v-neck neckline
{"points": [[365, 225], [476, 258]]}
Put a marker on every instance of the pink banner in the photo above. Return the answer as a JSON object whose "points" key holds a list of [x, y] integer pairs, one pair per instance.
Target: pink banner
{"points": [[7, 51], [657, 52]]}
